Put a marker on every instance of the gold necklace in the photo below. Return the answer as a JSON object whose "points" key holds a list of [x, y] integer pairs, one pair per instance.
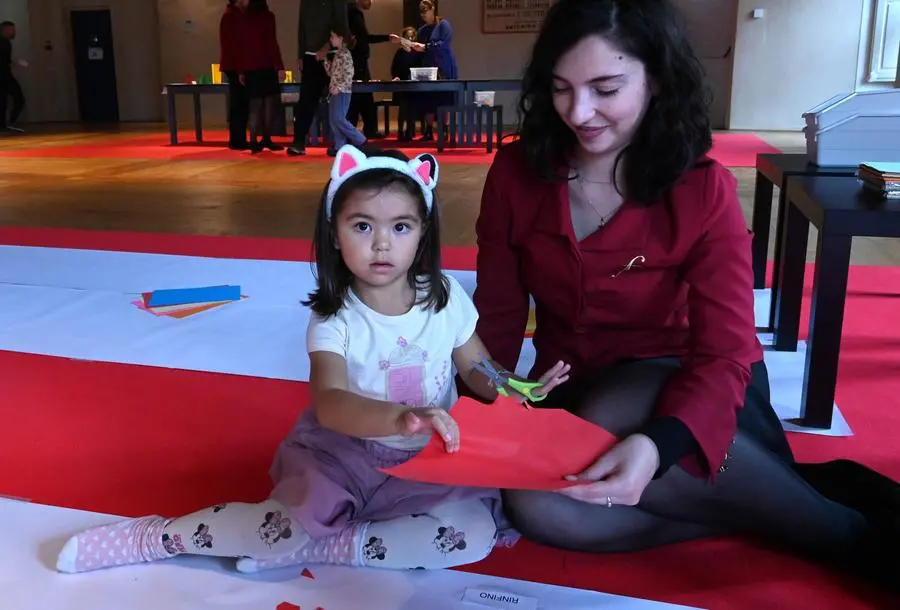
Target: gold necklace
{"points": [[603, 219]]}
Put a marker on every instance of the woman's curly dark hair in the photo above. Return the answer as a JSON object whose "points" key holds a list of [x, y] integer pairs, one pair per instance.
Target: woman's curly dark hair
{"points": [[675, 132]]}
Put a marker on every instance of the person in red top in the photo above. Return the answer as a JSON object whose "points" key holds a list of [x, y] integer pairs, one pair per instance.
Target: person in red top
{"points": [[261, 70], [608, 212], [229, 55]]}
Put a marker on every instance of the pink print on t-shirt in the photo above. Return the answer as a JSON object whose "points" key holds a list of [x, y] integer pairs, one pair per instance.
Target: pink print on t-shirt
{"points": [[406, 374]]}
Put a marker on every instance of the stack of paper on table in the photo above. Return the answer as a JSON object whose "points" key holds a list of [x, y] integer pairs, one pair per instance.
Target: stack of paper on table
{"points": [[882, 178]]}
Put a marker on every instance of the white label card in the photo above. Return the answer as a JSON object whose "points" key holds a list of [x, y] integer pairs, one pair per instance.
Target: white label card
{"points": [[499, 599]]}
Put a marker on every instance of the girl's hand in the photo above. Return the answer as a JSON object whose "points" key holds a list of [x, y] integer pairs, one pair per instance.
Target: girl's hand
{"points": [[418, 46], [620, 475], [421, 421], [242, 79]]}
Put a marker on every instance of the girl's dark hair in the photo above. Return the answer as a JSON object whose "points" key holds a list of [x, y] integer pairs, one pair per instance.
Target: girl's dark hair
{"points": [[334, 279], [675, 132]]}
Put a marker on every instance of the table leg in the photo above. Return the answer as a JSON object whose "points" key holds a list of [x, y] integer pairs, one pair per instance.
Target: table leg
{"points": [[826, 320], [173, 119], [762, 216], [790, 289], [776, 267], [198, 118]]}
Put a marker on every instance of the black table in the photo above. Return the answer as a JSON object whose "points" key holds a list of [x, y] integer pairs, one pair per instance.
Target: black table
{"points": [[465, 90], [772, 170], [840, 209]]}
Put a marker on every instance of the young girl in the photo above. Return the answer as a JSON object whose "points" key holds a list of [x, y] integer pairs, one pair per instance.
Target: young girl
{"points": [[340, 90], [387, 333]]}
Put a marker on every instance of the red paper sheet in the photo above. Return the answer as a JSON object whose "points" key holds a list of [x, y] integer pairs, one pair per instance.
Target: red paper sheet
{"points": [[508, 446]]}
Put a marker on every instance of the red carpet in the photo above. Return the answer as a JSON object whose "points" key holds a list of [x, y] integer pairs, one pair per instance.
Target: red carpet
{"points": [[731, 149], [133, 440]]}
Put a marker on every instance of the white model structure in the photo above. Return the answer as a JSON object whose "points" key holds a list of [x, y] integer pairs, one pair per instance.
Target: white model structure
{"points": [[853, 128]]}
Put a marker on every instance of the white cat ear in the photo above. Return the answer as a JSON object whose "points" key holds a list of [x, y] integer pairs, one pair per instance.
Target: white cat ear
{"points": [[425, 167], [347, 159]]}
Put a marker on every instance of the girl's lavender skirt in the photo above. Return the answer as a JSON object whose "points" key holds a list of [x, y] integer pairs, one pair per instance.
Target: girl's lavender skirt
{"points": [[331, 481]]}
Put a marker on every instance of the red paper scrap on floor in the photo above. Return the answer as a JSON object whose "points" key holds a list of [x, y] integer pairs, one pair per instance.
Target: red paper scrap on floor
{"points": [[307, 573], [508, 446]]}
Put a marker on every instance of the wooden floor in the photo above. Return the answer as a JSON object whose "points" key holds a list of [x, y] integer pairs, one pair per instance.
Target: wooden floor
{"points": [[245, 197]]}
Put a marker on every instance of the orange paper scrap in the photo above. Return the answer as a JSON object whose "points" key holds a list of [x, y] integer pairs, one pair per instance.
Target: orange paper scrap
{"points": [[507, 446]]}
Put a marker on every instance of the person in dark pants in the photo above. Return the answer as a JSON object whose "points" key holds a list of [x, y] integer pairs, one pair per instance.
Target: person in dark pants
{"points": [[404, 59], [230, 52], [318, 18], [9, 86], [362, 104], [261, 71]]}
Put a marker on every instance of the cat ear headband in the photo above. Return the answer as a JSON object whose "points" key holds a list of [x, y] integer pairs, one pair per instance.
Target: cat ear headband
{"points": [[350, 161]]}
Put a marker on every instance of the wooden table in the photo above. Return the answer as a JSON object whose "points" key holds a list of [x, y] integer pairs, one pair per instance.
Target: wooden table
{"points": [[840, 209], [772, 170]]}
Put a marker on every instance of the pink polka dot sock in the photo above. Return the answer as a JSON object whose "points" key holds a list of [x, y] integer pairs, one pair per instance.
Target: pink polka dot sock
{"points": [[344, 548], [118, 544]]}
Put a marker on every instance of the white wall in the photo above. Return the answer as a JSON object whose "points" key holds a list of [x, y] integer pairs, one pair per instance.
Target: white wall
{"points": [[136, 46], [799, 54]]}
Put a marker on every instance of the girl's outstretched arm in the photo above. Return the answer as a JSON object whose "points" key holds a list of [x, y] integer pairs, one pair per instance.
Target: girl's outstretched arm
{"points": [[343, 411]]}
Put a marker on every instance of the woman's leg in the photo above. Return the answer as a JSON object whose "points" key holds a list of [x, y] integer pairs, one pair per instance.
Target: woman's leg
{"points": [[225, 530], [758, 493], [257, 120], [271, 106], [448, 535]]}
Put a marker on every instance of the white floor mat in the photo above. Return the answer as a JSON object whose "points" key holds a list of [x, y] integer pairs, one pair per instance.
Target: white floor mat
{"points": [[33, 535], [78, 304]]}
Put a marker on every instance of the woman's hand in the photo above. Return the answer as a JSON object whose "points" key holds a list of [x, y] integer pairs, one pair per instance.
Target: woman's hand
{"points": [[394, 38], [422, 421], [620, 475], [418, 46]]}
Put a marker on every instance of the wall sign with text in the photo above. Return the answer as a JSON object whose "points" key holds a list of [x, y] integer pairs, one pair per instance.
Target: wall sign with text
{"points": [[513, 16]]}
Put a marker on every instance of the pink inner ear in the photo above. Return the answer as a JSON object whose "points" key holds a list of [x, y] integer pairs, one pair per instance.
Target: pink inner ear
{"points": [[424, 171], [346, 163]]}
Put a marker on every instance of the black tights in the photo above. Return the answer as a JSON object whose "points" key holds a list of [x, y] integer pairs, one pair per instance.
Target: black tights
{"points": [[262, 114], [758, 494]]}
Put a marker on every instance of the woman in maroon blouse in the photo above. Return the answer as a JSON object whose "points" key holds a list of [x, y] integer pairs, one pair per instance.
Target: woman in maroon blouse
{"points": [[632, 242]]}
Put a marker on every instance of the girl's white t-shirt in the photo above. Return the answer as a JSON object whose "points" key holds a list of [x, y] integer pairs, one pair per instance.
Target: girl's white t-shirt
{"points": [[403, 359]]}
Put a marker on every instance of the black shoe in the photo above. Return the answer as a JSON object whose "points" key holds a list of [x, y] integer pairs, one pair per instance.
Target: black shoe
{"points": [[256, 148], [374, 136], [296, 151], [272, 146], [853, 485], [332, 152]]}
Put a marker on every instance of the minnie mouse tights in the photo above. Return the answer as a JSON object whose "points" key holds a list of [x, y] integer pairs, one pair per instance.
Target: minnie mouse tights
{"points": [[264, 536]]}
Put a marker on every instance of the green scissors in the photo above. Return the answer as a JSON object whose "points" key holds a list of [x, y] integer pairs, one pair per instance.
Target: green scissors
{"points": [[504, 379]]}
